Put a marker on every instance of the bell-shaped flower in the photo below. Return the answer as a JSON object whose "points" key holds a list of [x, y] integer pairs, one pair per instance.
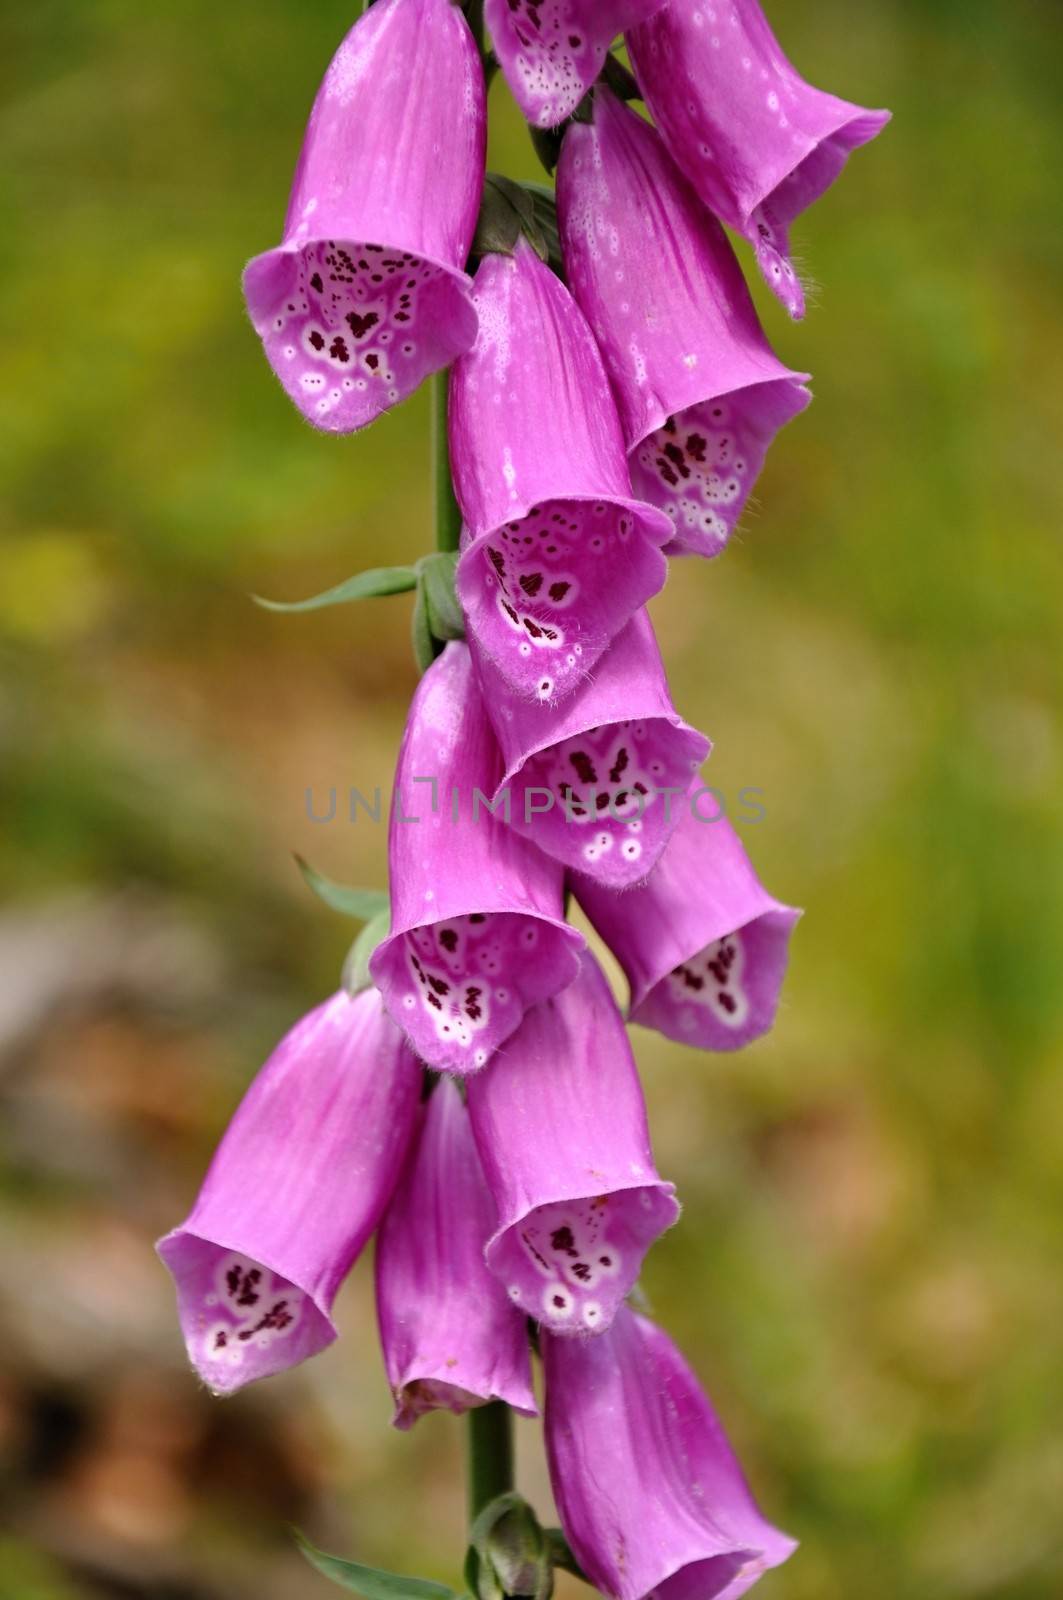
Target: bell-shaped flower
{"points": [[451, 1338], [297, 1186], [757, 142], [551, 51], [700, 393], [560, 1124], [651, 1496], [557, 555], [594, 781], [366, 293], [702, 942], [477, 927]]}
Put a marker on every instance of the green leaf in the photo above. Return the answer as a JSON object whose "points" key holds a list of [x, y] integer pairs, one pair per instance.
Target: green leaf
{"points": [[435, 574], [363, 586], [371, 1582], [365, 904], [355, 976]]}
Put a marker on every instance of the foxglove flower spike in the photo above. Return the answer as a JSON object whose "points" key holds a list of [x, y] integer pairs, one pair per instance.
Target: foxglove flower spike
{"points": [[557, 555], [366, 294], [700, 392], [757, 142], [297, 1187], [703, 943], [450, 1336], [560, 1125], [652, 1499], [477, 927]]}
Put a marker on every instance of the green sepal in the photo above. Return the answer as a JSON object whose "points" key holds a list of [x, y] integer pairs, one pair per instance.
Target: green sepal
{"points": [[544, 204], [435, 575], [508, 1554], [355, 974], [363, 586], [506, 212], [371, 1582], [560, 1553], [424, 649], [437, 614], [546, 142], [365, 904]]}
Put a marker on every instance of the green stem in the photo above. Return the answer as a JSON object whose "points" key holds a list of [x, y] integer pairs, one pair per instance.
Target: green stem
{"points": [[490, 1454], [448, 516]]}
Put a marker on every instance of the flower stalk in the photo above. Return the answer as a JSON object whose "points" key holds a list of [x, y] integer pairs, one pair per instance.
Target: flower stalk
{"points": [[490, 1427]]}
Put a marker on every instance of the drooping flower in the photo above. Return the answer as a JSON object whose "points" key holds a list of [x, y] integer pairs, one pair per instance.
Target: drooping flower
{"points": [[700, 393], [297, 1186], [366, 295], [703, 943], [557, 555], [551, 51], [587, 780], [477, 930], [758, 143], [451, 1339], [560, 1125], [651, 1496]]}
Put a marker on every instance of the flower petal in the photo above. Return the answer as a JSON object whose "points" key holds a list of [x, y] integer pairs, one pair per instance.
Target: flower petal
{"points": [[700, 392], [451, 1338], [477, 930], [556, 554], [651, 1496], [551, 51], [757, 142], [366, 295], [560, 1125], [588, 779], [703, 944], [295, 1190]]}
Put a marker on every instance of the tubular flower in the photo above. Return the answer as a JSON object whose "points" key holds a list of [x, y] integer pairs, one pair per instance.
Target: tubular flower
{"points": [[700, 393], [585, 780], [366, 295], [651, 1496], [557, 556], [757, 142], [295, 1190], [477, 932], [703, 943], [560, 1125], [551, 51], [451, 1339]]}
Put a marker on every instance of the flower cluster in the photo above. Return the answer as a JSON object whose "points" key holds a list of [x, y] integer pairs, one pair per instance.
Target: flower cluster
{"points": [[476, 1105]]}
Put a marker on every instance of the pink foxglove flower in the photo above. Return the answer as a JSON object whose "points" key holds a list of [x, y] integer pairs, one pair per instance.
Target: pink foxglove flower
{"points": [[297, 1186], [451, 1338], [551, 51], [701, 395], [758, 143], [703, 943], [651, 1496], [557, 555], [586, 779], [560, 1125], [366, 295], [477, 928]]}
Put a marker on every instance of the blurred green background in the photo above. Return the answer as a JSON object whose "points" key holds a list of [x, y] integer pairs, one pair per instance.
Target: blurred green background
{"points": [[867, 1273]]}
